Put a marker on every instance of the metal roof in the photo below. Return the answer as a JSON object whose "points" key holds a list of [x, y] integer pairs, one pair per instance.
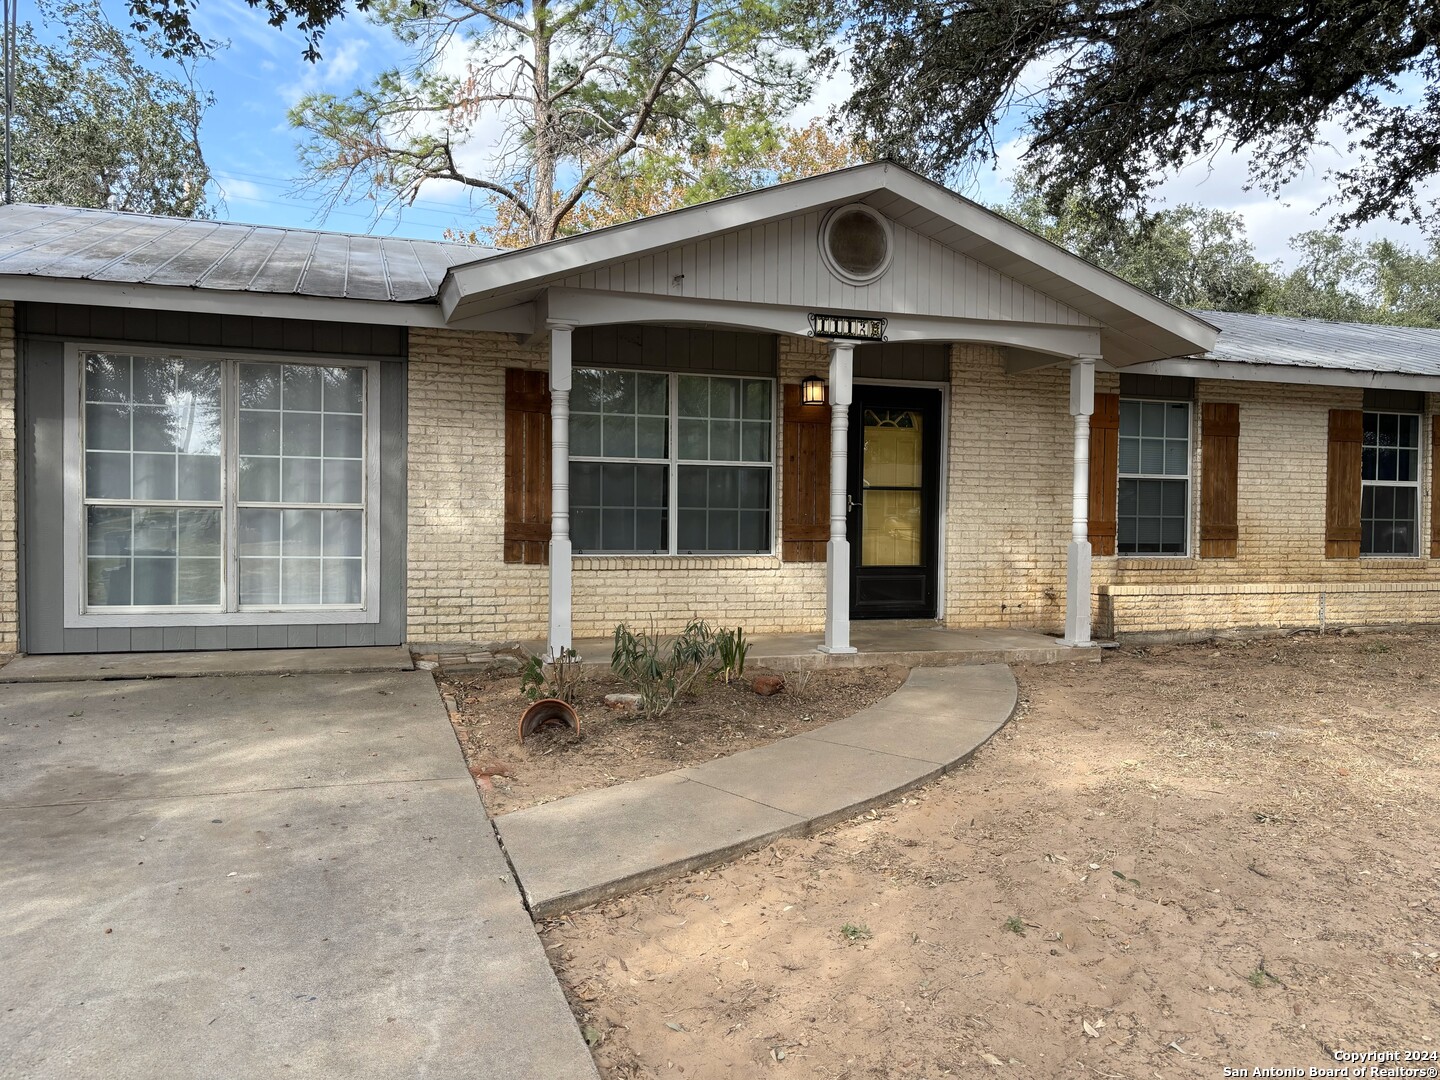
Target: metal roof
{"points": [[110, 245], [1315, 343]]}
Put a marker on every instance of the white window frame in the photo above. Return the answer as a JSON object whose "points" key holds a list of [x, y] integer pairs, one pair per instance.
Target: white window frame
{"points": [[673, 463], [1188, 478], [1419, 448], [227, 614]]}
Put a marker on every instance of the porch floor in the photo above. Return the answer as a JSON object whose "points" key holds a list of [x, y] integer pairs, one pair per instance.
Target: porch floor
{"points": [[880, 642]]}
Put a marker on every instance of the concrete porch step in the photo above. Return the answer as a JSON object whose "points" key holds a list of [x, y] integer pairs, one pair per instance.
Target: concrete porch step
{"points": [[83, 667], [879, 643]]}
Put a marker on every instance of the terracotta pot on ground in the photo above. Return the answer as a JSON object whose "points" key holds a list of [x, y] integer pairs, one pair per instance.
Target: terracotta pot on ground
{"points": [[548, 712]]}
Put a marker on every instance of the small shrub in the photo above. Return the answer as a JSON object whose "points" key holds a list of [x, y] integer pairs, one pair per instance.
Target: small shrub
{"points": [[1260, 978], [660, 675], [731, 648], [853, 932], [1015, 925], [555, 679]]}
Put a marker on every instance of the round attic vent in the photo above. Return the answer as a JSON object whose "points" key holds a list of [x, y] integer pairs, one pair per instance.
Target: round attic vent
{"points": [[855, 243]]}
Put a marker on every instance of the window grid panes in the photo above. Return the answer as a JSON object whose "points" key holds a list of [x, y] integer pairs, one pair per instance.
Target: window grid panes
{"points": [[1153, 508], [153, 481], [1390, 484], [665, 464], [156, 447], [301, 459]]}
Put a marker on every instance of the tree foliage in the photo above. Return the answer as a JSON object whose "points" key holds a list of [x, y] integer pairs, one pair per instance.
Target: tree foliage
{"points": [[1112, 94], [537, 102], [1188, 255], [1203, 259], [654, 182], [1350, 281], [173, 19], [94, 126]]}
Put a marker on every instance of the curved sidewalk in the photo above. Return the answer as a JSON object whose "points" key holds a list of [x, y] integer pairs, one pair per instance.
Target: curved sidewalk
{"points": [[602, 843]]}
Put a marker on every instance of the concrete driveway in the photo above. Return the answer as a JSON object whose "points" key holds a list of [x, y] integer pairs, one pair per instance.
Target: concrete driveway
{"points": [[259, 876]]}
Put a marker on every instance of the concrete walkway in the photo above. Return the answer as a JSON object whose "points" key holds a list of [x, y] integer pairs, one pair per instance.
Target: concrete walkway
{"points": [[578, 850], [259, 877]]}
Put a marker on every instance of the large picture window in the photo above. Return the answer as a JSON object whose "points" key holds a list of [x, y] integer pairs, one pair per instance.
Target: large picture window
{"points": [[670, 464], [220, 485], [1153, 508], [1390, 484]]}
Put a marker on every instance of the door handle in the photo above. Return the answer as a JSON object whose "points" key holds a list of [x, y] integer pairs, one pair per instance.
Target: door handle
{"points": [[850, 502]]}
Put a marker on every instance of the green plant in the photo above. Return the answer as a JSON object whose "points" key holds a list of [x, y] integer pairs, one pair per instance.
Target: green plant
{"points": [[555, 679], [731, 648], [853, 932], [661, 674], [1260, 978], [1015, 925]]}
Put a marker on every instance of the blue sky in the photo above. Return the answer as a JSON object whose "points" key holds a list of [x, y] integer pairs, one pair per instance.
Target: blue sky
{"points": [[250, 146]]}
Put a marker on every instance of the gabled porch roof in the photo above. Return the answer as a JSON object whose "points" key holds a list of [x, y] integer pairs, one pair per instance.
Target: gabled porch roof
{"points": [[1133, 326]]}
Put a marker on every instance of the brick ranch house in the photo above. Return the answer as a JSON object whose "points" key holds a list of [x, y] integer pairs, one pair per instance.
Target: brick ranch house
{"points": [[855, 396]]}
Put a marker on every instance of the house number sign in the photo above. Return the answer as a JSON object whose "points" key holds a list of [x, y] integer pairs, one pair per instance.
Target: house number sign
{"points": [[849, 327]]}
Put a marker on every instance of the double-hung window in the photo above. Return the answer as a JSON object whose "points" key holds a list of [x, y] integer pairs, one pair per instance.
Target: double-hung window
{"points": [[1390, 484], [237, 488], [1153, 508], [671, 464]]}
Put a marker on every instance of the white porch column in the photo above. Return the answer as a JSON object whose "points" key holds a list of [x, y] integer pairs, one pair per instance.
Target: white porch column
{"points": [[561, 636], [1077, 578], [837, 551]]}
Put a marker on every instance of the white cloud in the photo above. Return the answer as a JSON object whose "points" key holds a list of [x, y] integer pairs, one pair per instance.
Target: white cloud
{"points": [[1220, 182], [345, 56], [236, 189]]}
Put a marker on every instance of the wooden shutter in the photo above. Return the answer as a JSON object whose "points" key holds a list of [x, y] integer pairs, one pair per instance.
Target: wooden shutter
{"points": [[1435, 487], [1104, 472], [1342, 488], [805, 482], [1219, 479], [527, 466]]}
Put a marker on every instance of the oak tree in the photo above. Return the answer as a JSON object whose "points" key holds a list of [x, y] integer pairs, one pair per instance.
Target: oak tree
{"points": [[95, 126], [1114, 94]]}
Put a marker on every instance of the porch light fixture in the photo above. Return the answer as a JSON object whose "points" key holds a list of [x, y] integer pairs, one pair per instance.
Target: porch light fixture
{"points": [[812, 390]]}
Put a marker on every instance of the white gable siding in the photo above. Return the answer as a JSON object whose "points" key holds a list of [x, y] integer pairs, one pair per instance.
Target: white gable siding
{"points": [[779, 263]]}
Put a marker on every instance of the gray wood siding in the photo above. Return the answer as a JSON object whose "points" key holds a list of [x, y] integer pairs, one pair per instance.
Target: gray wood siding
{"points": [[905, 360], [203, 330], [675, 348], [42, 561], [779, 263]]}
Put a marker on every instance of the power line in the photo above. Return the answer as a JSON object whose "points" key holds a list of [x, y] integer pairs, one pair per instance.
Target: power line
{"points": [[425, 205]]}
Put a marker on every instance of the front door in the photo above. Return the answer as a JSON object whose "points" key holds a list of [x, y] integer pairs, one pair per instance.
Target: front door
{"points": [[894, 490]]}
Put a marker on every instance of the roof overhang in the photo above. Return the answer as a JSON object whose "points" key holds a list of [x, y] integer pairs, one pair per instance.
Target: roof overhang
{"points": [[218, 301], [1135, 326], [1296, 374]]}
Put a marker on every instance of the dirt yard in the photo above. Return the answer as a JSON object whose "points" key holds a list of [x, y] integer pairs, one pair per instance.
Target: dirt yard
{"points": [[1183, 859], [715, 720]]}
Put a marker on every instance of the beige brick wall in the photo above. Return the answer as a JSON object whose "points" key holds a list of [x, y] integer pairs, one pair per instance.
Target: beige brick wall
{"points": [[1006, 529], [1008, 517], [460, 588], [1007, 521], [9, 486], [1280, 576]]}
